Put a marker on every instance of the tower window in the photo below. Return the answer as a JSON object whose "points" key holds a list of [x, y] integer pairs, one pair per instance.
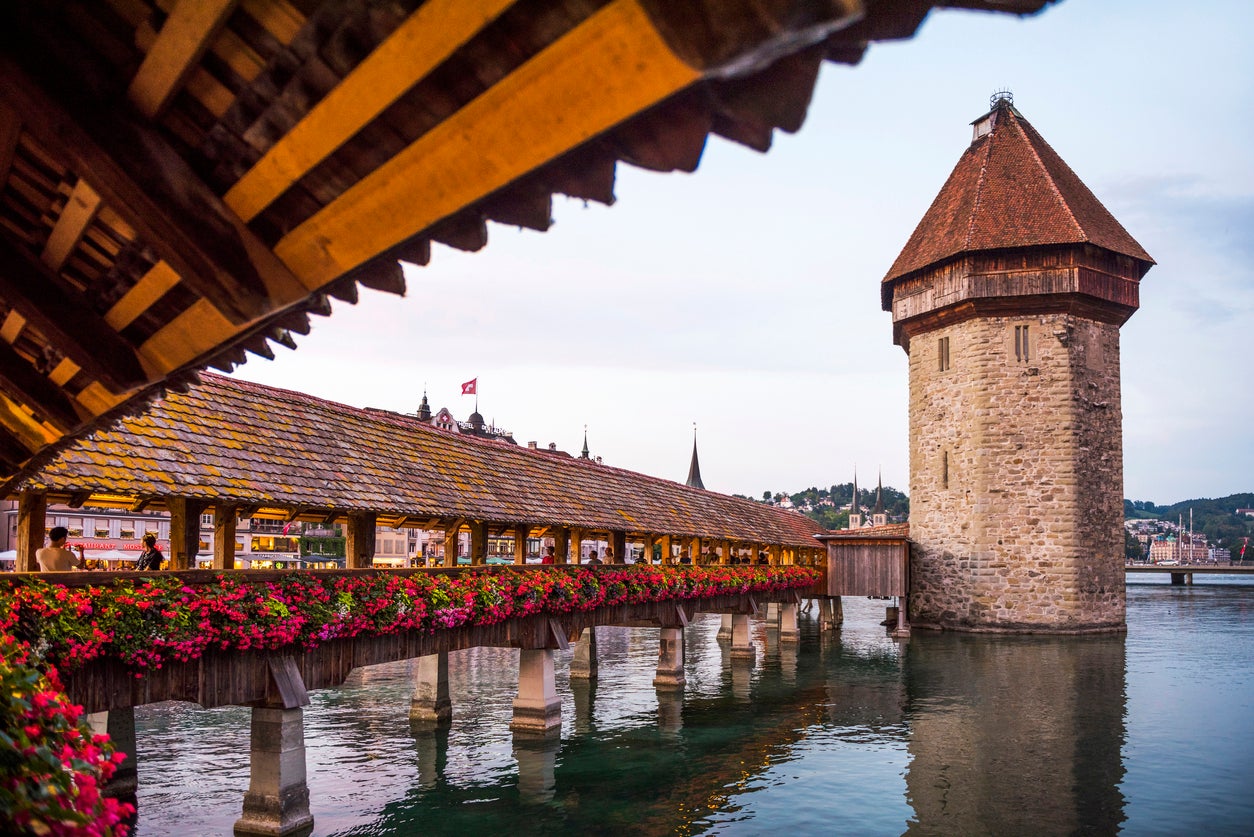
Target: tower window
{"points": [[942, 354], [1022, 343], [945, 469]]}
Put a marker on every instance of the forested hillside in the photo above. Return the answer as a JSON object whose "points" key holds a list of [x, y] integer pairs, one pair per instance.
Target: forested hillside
{"points": [[830, 506], [1215, 518]]}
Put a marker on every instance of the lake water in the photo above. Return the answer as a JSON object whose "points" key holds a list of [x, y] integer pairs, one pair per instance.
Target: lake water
{"points": [[847, 733]]}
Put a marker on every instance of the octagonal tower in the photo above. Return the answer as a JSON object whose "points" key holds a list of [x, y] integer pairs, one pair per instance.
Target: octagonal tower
{"points": [[1008, 299]]}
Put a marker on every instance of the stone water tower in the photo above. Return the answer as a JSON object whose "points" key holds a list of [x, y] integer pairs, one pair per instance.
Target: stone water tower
{"points": [[1008, 299]]}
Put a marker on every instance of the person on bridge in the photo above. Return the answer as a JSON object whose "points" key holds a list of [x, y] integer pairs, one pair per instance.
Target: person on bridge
{"points": [[55, 558], [548, 558], [151, 557]]}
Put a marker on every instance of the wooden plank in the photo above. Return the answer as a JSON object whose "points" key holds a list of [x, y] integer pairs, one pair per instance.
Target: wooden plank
{"points": [[13, 325], [433, 32], [67, 322], [150, 287], [607, 69], [224, 536], [278, 17], [80, 210], [64, 371], [183, 39], [199, 330]]}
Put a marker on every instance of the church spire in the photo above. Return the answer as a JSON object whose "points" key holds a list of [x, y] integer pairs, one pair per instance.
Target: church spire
{"points": [[585, 453], [879, 497], [424, 409], [694, 468], [855, 513]]}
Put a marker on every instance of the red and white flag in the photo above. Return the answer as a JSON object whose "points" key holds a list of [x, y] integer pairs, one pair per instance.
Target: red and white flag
{"points": [[468, 388]]}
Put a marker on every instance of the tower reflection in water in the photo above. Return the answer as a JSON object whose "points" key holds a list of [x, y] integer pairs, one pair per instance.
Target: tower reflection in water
{"points": [[1015, 735]]}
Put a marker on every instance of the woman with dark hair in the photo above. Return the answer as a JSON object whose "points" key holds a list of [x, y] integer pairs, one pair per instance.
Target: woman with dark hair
{"points": [[151, 557]]}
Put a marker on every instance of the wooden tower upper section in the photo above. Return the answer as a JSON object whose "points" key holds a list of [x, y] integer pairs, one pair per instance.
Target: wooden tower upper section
{"points": [[1013, 230]]}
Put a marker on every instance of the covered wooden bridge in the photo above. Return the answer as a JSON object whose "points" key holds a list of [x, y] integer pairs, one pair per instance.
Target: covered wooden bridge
{"points": [[235, 449], [183, 182]]}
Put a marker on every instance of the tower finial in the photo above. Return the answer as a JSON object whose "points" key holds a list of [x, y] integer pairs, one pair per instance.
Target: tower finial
{"points": [[1000, 98], [584, 454]]}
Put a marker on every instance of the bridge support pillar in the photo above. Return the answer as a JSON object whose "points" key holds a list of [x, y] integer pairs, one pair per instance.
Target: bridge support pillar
{"points": [[725, 627], [1179, 579], [831, 613], [583, 666], [670, 661], [742, 644], [119, 725], [430, 703], [788, 630], [277, 802], [772, 616], [537, 709]]}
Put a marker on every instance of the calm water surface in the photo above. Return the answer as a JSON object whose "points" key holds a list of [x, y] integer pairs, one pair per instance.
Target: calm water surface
{"points": [[849, 733]]}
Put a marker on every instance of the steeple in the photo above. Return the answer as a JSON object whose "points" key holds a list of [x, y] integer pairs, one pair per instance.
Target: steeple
{"points": [[855, 513], [424, 409], [694, 467], [585, 453], [878, 516]]}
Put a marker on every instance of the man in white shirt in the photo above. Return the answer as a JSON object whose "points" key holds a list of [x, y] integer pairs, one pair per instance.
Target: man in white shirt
{"points": [[55, 558]]}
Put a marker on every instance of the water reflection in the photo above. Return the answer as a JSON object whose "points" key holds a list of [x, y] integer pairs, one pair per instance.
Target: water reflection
{"points": [[1015, 735], [843, 733]]}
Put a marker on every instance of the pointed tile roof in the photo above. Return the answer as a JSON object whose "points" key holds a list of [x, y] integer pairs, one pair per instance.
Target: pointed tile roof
{"points": [[694, 467], [1010, 189]]}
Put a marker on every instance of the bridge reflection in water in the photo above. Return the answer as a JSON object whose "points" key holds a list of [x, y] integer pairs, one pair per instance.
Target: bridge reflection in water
{"points": [[849, 732]]}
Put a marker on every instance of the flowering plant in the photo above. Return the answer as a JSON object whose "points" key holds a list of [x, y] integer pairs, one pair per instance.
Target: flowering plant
{"points": [[52, 767]]}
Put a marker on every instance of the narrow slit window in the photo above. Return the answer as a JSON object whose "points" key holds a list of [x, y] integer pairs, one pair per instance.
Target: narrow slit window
{"points": [[1022, 342], [942, 353], [945, 469]]}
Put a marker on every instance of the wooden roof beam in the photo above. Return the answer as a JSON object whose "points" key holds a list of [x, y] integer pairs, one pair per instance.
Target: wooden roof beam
{"points": [[20, 381], [607, 69], [187, 32], [80, 209], [429, 36], [66, 321], [143, 179]]}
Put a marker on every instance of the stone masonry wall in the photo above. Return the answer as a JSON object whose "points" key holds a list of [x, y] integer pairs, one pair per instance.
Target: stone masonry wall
{"points": [[1016, 476]]}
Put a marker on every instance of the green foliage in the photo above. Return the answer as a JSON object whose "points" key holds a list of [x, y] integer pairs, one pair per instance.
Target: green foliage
{"points": [[830, 506], [1215, 518], [1133, 550]]}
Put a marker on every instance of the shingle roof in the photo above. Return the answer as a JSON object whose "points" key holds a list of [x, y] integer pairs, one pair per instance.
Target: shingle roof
{"points": [[1010, 189], [241, 442]]}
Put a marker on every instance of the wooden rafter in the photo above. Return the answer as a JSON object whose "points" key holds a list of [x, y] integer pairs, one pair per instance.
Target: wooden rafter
{"points": [[186, 34], [67, 321], [609, 68], [432, 33], [80, 209], [22, 383]]}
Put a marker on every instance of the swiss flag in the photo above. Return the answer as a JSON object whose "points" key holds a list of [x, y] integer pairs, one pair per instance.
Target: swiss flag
{"points": [[468, 388]]}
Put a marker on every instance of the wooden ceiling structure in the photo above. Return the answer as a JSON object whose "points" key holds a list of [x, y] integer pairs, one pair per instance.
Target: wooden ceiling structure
{"points": [[183, 182]]}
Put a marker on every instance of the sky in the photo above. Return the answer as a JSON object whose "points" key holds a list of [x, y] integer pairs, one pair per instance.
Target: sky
{"points": [[744, 298]]}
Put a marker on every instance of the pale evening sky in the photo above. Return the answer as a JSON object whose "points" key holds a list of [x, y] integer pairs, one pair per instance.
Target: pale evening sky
{"points": [[745, 297]]}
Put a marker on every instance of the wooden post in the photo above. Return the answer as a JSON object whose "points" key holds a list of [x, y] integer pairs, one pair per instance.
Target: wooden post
{"points": [[184, 531], [452, 534], [521, 530], [478, 543], [666, 549], [576, 544], [359, 540], [224, 536], [618, 541], [695, 547], [32, 508], [646, 555], [561, 542], [773, 555]]}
